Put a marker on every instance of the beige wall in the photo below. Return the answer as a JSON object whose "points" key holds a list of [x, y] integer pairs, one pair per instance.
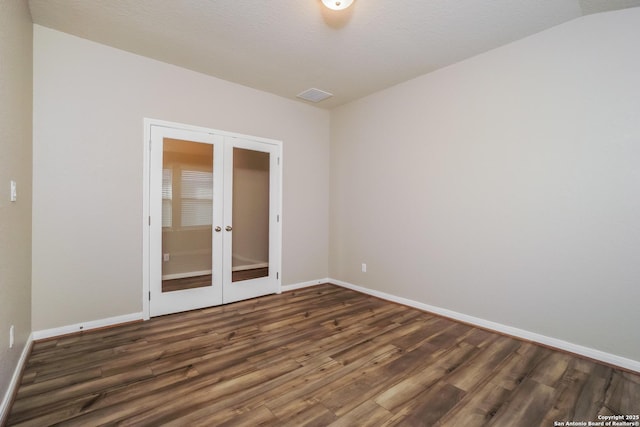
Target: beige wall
{"points": [[89, 105], [15, 164], [505, 187]]}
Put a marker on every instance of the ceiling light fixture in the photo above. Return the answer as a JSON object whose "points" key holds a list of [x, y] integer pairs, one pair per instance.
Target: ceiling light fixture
{"points": [[337, 4]]}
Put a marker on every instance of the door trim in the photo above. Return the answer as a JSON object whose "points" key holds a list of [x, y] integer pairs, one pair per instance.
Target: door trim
{"points": [[146, 178]]}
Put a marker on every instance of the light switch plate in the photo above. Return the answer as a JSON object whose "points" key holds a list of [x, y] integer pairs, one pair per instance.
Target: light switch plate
{"points": [[14, 192]]}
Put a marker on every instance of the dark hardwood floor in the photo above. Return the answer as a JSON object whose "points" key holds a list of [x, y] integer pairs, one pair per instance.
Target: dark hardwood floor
{"points": [[186, 283], [318, 356]]}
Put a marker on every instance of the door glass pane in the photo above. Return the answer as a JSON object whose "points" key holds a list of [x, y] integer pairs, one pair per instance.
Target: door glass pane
{"points": [[250, 246], [187, 213]]}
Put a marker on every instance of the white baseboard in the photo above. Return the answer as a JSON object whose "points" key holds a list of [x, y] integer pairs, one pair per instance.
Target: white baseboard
{"points": [[591, 353], [15, 380], [237, 259], [250, 266], [294, 286], [185, 275], [86, 326]]}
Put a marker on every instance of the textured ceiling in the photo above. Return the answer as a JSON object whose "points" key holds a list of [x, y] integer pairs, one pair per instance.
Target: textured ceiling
{"points": [[288, 46]]}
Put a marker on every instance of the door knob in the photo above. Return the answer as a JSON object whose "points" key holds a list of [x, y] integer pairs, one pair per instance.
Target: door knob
{"points": [[218, 229], [228, 228]]}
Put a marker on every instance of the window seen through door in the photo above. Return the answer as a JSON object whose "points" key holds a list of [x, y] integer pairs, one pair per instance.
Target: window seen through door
{"points": [[197, 198]]}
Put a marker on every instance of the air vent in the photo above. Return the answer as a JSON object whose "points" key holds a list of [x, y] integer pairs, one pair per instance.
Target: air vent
{"points": [[314, 95]]}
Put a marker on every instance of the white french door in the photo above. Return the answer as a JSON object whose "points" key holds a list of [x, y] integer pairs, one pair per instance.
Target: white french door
{"points": [[214, 227], [251, 201]]}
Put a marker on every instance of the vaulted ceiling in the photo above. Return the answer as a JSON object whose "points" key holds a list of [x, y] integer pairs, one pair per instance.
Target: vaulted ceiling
{"points": [[287, 46]]}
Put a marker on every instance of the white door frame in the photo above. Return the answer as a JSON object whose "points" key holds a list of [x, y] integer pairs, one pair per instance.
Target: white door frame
{"points": [[146, 208]]}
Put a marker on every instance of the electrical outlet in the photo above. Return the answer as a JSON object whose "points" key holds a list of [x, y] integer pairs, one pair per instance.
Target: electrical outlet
{"points": [[166, 257], [364, 267], [11, 337]]}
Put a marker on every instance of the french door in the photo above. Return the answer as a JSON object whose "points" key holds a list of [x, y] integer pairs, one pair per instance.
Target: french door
{"points": [[214, 228]]}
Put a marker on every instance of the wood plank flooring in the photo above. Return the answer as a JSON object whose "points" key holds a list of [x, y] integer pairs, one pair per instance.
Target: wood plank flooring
{"points": [[320, 356]]}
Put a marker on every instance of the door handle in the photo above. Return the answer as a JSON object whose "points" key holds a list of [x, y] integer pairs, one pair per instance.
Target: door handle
{"points": [[228, 228], [218, 229]]}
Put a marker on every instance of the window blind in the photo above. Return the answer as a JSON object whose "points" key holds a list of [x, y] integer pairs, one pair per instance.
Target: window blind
{"points": [[167, 196], [197, 198]]}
